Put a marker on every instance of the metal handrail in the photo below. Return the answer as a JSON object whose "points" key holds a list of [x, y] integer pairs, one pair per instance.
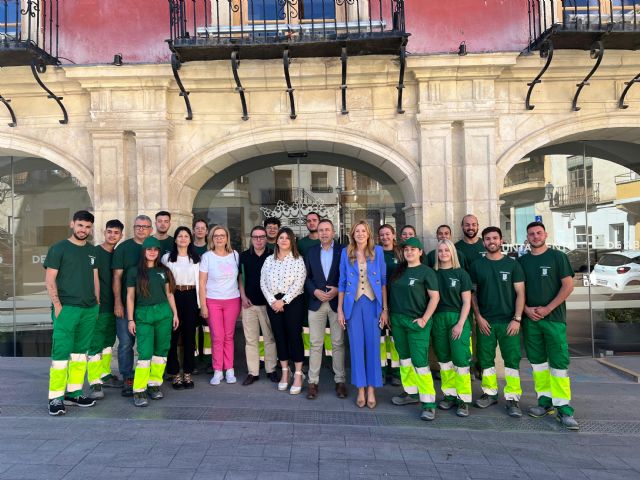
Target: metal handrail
{"points": [[30, 22]]}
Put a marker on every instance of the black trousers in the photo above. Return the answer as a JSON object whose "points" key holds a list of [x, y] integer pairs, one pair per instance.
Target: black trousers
{"points": [[287, 330], [187, 307]]}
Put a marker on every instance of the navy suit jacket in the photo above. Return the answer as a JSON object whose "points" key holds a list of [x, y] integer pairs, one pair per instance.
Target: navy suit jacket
{"points": [[315, 275]]}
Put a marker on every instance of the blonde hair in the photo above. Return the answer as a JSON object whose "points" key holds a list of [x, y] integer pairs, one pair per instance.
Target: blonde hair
{"points": [[369, 250], [455, 262], [227, 245]]}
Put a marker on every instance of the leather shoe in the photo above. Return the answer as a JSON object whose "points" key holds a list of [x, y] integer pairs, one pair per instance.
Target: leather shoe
{"points": [[312, 391], [250, 379], [341, 390], [273, 376]]}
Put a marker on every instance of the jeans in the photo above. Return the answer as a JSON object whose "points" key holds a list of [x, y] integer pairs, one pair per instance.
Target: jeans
{"points": [[125, 348]]}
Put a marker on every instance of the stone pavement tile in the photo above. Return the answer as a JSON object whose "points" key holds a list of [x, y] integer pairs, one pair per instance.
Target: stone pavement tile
{"points": [[68, 446], [503, 459], [539, 471], [416, 454], [84, 472], [25, 445], [566, 473], [67, 458], [425, 469], [377, 467], [347, 453], [5, 466], [187, 460], [463, 457], [611, 461], [451, 471], [120, 446], [24, 471], [333, 466], [163, 473], [391, 452], [302, 466], [26, 458], [610, 474], [258, 464], [319, 440], [491, 472], [209, 475], [279, 451], [237, 475], [147, 460], [286, 476], [237, 450]]}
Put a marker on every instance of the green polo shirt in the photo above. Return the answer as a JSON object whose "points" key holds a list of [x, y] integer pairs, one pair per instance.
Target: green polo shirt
{"points": [[103, 260], [391, 262], [166, 245], [75, 265], [452, 282], [125, 257], [305, 243], [408, 293], [494, 281], [157, 292], [200, 250], [543, 276], [430, 259], [472, 252]]}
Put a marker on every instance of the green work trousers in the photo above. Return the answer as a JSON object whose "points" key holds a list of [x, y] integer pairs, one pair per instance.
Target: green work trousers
{"points": [[72, 332], [510, 350], [412, 344], [546, 345], [153, 334], [454, 356], [101, 349]]}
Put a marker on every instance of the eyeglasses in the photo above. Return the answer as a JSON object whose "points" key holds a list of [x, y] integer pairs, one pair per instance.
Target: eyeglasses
{"points": [[142, 227], [224, 235], [259, 237]]}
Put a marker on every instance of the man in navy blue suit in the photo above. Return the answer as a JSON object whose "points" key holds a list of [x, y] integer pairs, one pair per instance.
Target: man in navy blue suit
{"points": [[323, 271]]}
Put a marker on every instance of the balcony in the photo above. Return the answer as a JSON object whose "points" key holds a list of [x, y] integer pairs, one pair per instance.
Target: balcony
{"points": [[261, 29], [202, 30], [568, 196], [578, 24]]}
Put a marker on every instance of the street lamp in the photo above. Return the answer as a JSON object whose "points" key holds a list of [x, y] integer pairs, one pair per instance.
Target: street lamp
{"points": [[548, 192]]}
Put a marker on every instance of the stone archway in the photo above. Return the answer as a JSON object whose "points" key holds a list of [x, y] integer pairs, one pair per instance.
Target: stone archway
{"points": [[192, 172]]}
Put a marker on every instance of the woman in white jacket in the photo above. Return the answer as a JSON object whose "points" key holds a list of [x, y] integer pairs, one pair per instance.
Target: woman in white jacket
{"points": [[183, 261]]}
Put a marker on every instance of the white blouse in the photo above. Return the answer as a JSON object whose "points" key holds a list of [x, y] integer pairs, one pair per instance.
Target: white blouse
{"points": [[285, 276], [184, 271]]}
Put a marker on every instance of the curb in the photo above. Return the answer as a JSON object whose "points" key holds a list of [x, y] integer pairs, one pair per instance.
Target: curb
{"points": [[631, 374]]}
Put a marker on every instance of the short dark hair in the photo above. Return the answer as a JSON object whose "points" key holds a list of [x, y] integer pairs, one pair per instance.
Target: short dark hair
{"points": [[313, 213], [257, 227], [443, 226], [115, 223], [491, 230], [163, 213], [83, 215], [415, 232], [326, 220], [536, 224], [200, 220], [272, 221]]}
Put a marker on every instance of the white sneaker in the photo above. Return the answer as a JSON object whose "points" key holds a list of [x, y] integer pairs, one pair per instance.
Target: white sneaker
{"points": [[217, 377], [230, 377]]}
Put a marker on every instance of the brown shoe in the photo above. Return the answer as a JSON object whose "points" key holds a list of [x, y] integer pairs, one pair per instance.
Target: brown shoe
{"points": [[341, 390], [312, 391]]}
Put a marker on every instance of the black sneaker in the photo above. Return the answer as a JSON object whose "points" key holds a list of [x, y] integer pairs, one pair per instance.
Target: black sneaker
{"points": [[140, 399], [111, 381], [513, 409], [462, 410], [80, 401], [127, 389], [56, 407], [154, 392]]}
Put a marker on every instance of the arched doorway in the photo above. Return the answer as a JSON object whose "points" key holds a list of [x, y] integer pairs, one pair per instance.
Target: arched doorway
{"points": [[289, 185], [37, 199], [585, 187]]}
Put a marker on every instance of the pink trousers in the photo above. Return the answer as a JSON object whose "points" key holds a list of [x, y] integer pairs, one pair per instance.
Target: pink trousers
{"points": [[222, 326]]}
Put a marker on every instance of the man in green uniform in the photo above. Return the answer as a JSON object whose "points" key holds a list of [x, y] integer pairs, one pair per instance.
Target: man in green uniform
{"points": [[163, 224], [72, 283], [498, 301], [200, 231], [125, 257], [413, 299], [471, 247], [272, 226], [104, 333], [443, 232], [549, 280], [304, 244]]}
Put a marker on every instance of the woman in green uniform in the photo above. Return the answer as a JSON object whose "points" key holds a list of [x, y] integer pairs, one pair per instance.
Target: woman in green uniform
{"points": [[389, 359], [152, 315], [451, 329], [414, 297]]}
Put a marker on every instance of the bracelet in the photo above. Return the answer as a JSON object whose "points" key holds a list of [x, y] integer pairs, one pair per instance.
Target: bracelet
{"points": [[132, 321]]}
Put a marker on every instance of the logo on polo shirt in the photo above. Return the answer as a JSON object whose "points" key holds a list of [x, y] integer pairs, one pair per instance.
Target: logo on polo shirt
{"points": [[92, 260], [505, 276], [162, 275], [412, 281], [544, 271], [454, 282], [484, 254]]}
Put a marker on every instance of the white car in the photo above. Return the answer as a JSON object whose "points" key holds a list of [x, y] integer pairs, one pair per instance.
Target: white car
{"points": [[617, 270]]}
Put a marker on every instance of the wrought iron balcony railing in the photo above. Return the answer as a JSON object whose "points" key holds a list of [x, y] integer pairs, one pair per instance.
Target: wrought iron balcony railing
{"points": [[29, 34], [570, 196], [271, 29]]}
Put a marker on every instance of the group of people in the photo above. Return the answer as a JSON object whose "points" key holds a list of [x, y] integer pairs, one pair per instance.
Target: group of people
{"points": [[394, 301]]}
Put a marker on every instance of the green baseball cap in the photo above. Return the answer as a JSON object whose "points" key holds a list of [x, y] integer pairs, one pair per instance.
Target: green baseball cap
{"points": [[413, 242], [151, 242]]}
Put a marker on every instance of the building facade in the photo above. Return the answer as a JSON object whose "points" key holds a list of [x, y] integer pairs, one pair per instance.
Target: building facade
{"points": [[353, 123]]}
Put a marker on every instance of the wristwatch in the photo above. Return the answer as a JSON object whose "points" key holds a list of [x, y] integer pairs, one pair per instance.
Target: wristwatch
{"points": [[516, 319]]}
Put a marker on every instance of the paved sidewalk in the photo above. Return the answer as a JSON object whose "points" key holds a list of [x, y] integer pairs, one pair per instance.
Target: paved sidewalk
{"points": [[256, 432]]}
